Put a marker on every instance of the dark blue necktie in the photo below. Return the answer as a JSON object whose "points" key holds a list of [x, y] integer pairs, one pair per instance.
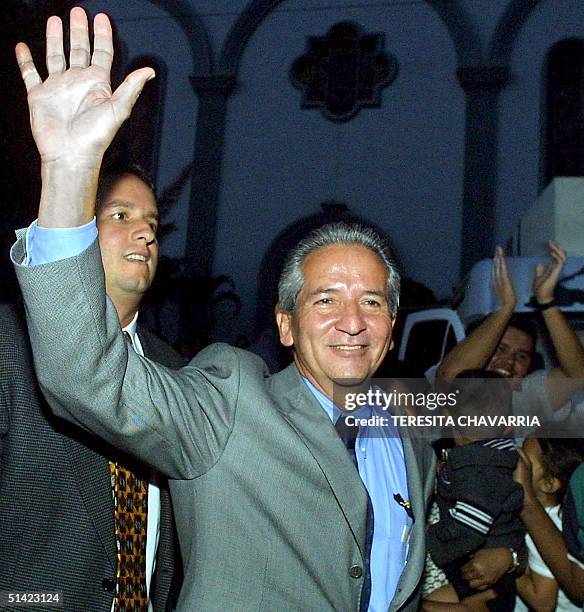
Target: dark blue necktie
{"points": [[348, 435]]}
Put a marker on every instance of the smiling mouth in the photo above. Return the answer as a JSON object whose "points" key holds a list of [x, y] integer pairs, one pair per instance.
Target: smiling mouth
{"points": [[348, 347], [136, 257], [503, 372]]}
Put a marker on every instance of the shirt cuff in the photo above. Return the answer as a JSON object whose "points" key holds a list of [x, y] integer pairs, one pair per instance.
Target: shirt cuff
{"points": [[48, 244]]}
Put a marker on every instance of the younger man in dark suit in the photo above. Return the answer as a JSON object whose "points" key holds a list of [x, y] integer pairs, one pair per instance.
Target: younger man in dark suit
{"points": [[59, 531]]}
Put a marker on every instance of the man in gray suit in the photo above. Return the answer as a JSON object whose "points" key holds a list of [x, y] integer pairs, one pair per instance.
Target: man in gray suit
{"points": [[284, 520]]}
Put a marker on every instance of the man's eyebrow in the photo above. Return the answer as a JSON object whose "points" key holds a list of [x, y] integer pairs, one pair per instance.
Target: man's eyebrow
{"points": [[124, 204], [376, 292], [327, 290], [320, 290]]}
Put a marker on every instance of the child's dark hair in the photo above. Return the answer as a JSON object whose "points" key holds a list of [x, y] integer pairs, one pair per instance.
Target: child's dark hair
{"points": [[480, 388], [560, 454]]}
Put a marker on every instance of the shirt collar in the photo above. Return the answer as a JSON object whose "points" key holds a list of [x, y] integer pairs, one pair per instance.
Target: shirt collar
{"points": [[328, 405], [131, 327]]}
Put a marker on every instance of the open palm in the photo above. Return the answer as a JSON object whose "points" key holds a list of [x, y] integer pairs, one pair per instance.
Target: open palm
{"points": [[546, 277], [74, 113]]}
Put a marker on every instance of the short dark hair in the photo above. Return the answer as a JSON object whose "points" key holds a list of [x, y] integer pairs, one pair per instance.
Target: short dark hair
{"points": [[482, 388], [560, 453], [525, 324], [519, 321], [113, 172]]}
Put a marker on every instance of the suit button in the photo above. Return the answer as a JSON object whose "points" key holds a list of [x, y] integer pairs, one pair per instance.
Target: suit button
{"points": [[108, 584], [356, 571]]}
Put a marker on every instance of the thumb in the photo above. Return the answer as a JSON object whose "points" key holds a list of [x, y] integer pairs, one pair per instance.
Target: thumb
{"points": [[125, 96], [539, 269]]}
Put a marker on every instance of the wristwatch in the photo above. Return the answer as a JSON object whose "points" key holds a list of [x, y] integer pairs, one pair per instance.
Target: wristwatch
{"points": [[515, 563]]}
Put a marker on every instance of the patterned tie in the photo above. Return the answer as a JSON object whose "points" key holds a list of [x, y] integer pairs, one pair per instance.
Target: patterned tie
{"points": [[348, 434], [131, 518]]}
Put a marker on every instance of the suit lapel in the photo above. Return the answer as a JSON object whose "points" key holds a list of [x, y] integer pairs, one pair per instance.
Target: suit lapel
{"points": [[147, 345], [315, 430], [93, 481], [156, 350], [413, 569], [165, 556]]}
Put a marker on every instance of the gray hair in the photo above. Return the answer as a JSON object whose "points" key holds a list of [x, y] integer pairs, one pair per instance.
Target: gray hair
{"points": [[292, 277]]}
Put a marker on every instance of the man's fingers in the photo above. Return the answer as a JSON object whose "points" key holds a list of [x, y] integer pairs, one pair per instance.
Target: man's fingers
{"points": [[558, 259], [78, 39], [55, 53], [28, 71], [103, 46], [523, 455], [556, 246], [497, 264], [505, 276], [556, 251], [125, 96]]}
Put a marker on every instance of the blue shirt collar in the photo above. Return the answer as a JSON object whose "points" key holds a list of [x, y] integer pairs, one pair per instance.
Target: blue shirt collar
{"points": [[328, 405]]}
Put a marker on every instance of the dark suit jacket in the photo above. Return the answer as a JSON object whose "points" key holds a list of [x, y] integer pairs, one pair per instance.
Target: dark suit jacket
{"points": [[280, 509], [56, 509]]}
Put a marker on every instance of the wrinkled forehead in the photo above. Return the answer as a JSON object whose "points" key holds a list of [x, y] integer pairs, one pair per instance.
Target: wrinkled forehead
{"points": [[345, 260]]}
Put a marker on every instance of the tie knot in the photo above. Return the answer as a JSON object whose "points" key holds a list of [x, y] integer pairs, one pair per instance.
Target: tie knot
{"points": [[128, 338]]}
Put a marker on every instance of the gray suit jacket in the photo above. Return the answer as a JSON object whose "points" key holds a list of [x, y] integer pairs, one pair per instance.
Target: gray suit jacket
{"points": [[56, 510], [254, 461]]}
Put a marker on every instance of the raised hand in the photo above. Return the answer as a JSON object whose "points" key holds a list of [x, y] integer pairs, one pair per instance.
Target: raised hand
{"points": [[546, 277], [73, 112], [74, 115], [502, 281]]}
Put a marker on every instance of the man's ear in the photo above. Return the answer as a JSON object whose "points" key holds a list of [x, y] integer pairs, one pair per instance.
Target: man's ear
{"points": [[284, 323]]}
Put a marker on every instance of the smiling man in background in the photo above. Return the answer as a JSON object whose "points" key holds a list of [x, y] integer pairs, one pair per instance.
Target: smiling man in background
{"points": [[505, 344]]}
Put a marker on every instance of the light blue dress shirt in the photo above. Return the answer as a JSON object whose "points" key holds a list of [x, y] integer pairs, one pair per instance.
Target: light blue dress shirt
{"points": [[381, 463], [46, 244]]}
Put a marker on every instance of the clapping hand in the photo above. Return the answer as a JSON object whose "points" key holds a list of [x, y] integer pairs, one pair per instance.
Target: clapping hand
{"points": [[546, 277], [502, 281]]}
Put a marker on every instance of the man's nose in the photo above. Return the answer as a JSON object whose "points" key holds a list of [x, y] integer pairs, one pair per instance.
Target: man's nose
{"points": [[143, 230], [351, 319], [515, 362]]}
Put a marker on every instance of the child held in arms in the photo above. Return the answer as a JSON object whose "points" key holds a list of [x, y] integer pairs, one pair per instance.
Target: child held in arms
{"points": [[478, 500]]}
